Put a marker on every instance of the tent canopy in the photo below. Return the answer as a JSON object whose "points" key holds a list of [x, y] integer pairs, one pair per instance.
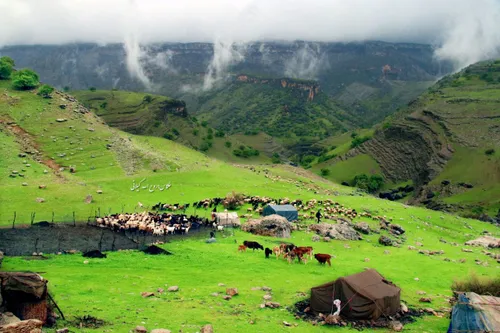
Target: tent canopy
{"points": [[228, 219], [475, 313], [366, 295], [287, 211]]}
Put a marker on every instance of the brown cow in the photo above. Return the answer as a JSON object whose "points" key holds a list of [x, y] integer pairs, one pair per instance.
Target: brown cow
{"points": [[242, 248], [277, 251], [322, 258]]}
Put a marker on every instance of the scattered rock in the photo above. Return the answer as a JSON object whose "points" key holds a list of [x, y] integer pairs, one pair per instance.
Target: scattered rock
{"points": [[90, 129], [99, 191], [226, 297], [362, 227], [485, 241], [140, 329], [419, 244], [425, 300], [88, 199], [396, 326], [367, 259], [42, 187], [267, 297], [161, 330], [267, 288], [63, 330], [147, 294], [8, 318], [61, 120], [40, 200], [385, 241], [332, 320], [327, 239], [160, 290], [25, 326], [272, 305], [286, 323], [215, 294], [467, 250], [24, 184], [462, 261], [207, 329], [231, 291], [387, 252], [316, 238], [421, 292], [221, 285], [173, 289]]}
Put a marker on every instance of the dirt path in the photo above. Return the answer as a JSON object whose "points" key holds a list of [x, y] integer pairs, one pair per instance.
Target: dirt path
{"points": [[27, 143]]}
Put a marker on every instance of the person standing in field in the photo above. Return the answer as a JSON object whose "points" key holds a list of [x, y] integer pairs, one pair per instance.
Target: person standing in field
{"points": [[318, 215]]}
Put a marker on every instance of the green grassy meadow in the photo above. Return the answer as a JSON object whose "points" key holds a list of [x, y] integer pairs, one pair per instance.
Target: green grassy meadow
{"points": [[110, 288]]}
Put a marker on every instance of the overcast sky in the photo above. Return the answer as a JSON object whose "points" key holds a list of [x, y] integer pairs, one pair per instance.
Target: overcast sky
{"points": [[458, 26]]}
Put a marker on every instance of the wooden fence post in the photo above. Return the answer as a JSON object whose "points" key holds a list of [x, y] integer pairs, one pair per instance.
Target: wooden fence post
{"points": [[33, 217], [14, 220], [74, 220], [52, 217]]}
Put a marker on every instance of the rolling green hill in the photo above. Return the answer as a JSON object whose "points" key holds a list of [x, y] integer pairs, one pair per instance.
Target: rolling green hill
{"points": [[154, 115], [55, 153], [446, 142]]}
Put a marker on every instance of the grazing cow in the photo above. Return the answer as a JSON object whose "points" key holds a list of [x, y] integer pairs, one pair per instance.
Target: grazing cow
{"points": [[253, 245], [290, 256], [277, 251], [94, 254], [267, 252], [242, 248], [322, 258]]}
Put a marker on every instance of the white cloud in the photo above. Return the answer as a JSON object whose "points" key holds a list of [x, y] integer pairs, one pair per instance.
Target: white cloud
{"points": [[465, 30]]}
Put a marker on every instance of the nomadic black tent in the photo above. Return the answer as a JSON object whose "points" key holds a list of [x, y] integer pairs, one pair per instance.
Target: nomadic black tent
{"points": [[366, 295], [287, 211]]}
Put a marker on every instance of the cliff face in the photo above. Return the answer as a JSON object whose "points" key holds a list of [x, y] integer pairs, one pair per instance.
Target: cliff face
{"points": [[312, 88]]}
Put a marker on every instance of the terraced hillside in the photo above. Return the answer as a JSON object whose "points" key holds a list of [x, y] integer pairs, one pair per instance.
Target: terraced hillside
{"points": [[155, 115], [446, 142]]}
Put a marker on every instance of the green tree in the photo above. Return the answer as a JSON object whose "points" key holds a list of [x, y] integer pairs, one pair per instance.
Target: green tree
{"points": [[147, 99], [204, 123], [175, 131], [8, 60], [93, 89], [6, 68], [228, 144], [45, 91], [195, 132], [370, 184], [490, 152], [276, 158], [219, 134], [325, 172], [25, 79]]}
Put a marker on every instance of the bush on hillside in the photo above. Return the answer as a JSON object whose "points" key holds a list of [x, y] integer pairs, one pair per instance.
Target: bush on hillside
{"points": [[481, 286], [175, 131], [370, 184], [6, 67], [147, 99], [276, 158], [157, 123], [490, 152], [25, 79], [66, 88], [168, 136], [358, 140], [196, 132], [228, 144], [93, 89], [488, 77], [245, 152], [45, 91], [220, 134], [205, 146], [104, 105], [325, 172], [204, 123], [233, 201]]}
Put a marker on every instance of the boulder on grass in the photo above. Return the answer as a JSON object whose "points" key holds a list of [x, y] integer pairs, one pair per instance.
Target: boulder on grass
{"points": [[207, 329], [340, 231], [25, 326], [231, 291], [272, 225], [385, 241]]}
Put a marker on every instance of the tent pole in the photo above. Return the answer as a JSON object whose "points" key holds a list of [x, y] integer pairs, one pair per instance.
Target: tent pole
{"points": [[57, 307]]}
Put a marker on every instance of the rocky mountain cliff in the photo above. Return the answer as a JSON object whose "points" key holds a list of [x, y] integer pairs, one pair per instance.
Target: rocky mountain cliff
{"points": [[371, 78]]}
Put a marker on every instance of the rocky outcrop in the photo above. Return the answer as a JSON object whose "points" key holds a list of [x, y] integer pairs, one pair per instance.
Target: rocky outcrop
{"points": [[485, 241], [25, 326], [340, 231], [311, 87], [272, 225]]}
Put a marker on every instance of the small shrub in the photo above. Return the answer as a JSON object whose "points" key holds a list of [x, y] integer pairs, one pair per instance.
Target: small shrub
{"points": [[175, 131], [104, 105], [6, 67], [219, 134], [488, 77], [93, 89], [157, 123], [45, 91], [325, 172], [233, 201], [66, 88], [354, 135], [276, 158], [196, 132], [209, 136], [481, 286], [228, 144], [204, 123], [370, 184], [490, 152], [359, 140], [168, 136], [147, 99], [210, 131], [25, 79], [205, 146], [307, 159]]}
